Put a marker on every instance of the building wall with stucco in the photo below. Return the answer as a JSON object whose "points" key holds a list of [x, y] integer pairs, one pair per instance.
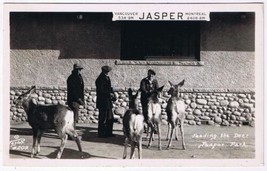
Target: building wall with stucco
{"points": [[44, 49]]}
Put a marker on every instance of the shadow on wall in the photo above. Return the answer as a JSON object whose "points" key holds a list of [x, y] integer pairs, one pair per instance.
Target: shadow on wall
{"points": [[96, 36]]}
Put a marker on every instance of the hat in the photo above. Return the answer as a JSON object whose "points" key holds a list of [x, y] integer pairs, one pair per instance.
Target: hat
{"points": [[152, 71], [77, 66], [106, 68]]}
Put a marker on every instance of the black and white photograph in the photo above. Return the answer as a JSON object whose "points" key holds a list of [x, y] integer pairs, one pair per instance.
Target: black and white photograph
{"points": [[159, 84]]}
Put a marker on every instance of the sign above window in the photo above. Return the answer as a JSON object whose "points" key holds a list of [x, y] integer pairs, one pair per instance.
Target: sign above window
{"points": [[161, 15]]}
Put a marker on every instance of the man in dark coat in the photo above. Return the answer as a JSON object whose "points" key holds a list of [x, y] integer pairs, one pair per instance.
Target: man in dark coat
{"points": [[75, 91], [105, 96], [147, 86]]}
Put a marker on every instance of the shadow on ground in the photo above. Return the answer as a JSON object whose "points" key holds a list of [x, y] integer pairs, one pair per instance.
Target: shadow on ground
{"points": [[67, 154], [89, 134], [20, 153], [28, 131]]}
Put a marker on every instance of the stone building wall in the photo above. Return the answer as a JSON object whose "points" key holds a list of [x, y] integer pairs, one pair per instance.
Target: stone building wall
{"points": [[206, 106]]}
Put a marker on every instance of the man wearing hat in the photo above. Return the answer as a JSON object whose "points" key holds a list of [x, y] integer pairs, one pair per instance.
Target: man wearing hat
{"points": [[105, 96], [75, 91], [147, 86]]}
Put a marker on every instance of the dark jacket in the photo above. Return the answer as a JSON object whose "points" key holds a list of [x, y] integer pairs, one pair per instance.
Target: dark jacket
{"points": [[75, 89], [146, 87], [103, 92]]}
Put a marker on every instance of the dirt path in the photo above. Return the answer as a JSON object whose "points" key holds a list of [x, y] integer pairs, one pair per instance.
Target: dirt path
{"points": [[202, 142]]}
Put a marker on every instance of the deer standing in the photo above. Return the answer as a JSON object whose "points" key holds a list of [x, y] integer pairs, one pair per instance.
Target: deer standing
{"points": [[43, 117], [154, 116], [133, 124], [176, 113]]}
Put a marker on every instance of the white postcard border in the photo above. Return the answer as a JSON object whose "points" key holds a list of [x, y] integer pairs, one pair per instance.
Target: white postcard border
{"points": [[259, 61]]}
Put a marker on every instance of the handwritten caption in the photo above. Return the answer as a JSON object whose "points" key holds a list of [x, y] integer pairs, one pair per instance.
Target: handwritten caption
{"points": [[213, 141], [17, 143]]}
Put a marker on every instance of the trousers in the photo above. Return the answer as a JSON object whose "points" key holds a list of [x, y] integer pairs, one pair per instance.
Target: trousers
{"points": [[105, 123], [145, 110]]}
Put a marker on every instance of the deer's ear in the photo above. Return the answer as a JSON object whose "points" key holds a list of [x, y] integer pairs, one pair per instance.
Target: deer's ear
{"points": [[170, 83], [130, 92], [32, 89], [160, 89], [181, 83]]}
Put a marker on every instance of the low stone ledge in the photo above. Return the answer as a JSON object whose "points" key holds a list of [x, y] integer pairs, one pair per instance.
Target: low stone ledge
{"points": [[173, 63], [217, 90]]}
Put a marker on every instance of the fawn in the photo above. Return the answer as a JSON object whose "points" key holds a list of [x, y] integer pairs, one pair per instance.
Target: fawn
{"points": [[133, 123], [154, 116], [176, 112]]}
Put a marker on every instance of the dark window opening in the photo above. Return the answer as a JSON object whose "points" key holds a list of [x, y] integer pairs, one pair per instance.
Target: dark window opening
{"points": [[160, 40]]}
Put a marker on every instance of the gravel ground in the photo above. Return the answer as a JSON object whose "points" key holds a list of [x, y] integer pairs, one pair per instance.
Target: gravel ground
{"points": [[202, 142]]}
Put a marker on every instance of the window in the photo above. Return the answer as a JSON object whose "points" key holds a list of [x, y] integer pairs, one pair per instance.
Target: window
{"points": [[160, 40]]}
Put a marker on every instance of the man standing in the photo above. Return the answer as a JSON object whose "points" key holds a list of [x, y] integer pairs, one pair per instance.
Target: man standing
{"points": [[147, 86], [105, 96], [75, 91]]}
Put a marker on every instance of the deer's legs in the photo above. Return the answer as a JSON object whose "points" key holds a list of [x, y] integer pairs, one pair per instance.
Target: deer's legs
{"points": [[148, 129], [170, 140], [151, 135], [153, 132], [140, 148], [168, 133], [133, 144], [153, 128], [78, 142], [176, 129], [39, 136], [62, 146], [75, 136], [176, 133], [159, 136], [182, 135], [147, 132], [125, 148], [34, 142]]}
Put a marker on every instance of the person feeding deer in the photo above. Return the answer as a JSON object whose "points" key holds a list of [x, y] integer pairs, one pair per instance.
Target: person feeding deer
{"points": [[148, 85]]}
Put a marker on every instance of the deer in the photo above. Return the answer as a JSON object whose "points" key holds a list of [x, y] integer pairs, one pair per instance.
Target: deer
{"points": [[154, 115], [176, 113], [133, 124], [43, 117]]}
